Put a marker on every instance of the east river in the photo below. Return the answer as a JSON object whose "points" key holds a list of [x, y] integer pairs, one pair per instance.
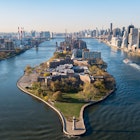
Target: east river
{"points": [[25, 118]]}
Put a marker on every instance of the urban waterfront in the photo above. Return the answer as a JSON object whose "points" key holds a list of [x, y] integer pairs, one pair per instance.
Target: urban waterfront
{"points": [[25, 118]]}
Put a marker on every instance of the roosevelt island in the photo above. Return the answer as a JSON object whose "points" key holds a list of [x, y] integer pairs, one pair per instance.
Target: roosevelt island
{"points": [[72, 79]]}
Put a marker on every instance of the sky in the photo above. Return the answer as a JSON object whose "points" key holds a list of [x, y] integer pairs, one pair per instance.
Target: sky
{"points": [[70, 15]]}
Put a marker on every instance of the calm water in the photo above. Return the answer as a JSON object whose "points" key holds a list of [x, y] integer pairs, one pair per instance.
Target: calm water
{"points": [[25, 118]]}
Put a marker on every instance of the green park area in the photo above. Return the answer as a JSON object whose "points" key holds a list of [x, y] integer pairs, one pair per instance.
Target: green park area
{"points": [[69, 94]]}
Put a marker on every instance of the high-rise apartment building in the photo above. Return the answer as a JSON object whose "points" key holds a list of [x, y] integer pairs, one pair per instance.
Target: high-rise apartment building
{"points": [[111, 28], [45, 35], [129, 27], [97, 32], [116, 32], [33, 33], [123, 30], [138, 41], [133, 37], [125, 40], [9, 45]]}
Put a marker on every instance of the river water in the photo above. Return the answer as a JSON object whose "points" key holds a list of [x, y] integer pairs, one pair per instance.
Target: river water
{"points": [[24, 118]]}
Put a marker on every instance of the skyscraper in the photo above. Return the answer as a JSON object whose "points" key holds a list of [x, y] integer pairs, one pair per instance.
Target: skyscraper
{"points": [[123, 30], [97, 32], [116, 32], [138, 42], [133, 37], [111, 26], [129, 27], [33, 33], [125, 40]]}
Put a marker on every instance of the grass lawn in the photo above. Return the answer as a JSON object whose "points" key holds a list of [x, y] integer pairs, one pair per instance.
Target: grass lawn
{"points": [[69, 109], [71, 105], [73, 98]]}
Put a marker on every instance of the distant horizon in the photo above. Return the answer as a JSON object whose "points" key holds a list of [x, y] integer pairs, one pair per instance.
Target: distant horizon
{"points": [[67, 30], [73, 15]]}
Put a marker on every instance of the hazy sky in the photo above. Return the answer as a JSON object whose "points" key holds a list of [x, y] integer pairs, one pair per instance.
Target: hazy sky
{"points": [[73, 15]]}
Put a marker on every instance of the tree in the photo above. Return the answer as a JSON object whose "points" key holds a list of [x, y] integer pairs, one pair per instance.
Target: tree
{"points": [[109, 83], [99, 84], [93, 69], [39, 90], [36, 85], [57, 96], [55, 85], [52, 86], [46, 98], [28, 69], [90, 91], [46, 74]]}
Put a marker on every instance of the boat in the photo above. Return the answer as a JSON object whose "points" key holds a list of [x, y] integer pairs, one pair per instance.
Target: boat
{"points": [[127, 61]]}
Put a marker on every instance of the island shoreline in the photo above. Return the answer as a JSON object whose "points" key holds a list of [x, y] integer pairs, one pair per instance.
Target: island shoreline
{"points": [[64, 122]]}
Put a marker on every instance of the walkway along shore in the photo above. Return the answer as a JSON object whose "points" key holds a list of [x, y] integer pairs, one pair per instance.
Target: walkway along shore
{"points": [[80, 128]]}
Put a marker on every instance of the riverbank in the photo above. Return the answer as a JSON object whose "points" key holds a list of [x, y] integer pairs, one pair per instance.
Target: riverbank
{"points": [[11, 54], [80, 128], [132, 52]]}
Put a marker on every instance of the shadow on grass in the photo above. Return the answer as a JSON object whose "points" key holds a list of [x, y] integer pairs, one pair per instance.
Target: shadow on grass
{"points": [[72, 100]]}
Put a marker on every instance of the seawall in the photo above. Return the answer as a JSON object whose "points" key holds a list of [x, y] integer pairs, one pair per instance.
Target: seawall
{"points": [[67, 125]]}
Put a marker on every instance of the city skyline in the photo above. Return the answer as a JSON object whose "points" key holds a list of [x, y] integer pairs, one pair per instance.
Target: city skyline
{"points": [[57, 16]]}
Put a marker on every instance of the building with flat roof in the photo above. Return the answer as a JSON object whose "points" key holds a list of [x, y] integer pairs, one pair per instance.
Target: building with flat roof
{"points": [[111, 28], [91, 55], [45, 34], [9, 45], [116, 41], [138, 42], [133, 37], [58, 62]]}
